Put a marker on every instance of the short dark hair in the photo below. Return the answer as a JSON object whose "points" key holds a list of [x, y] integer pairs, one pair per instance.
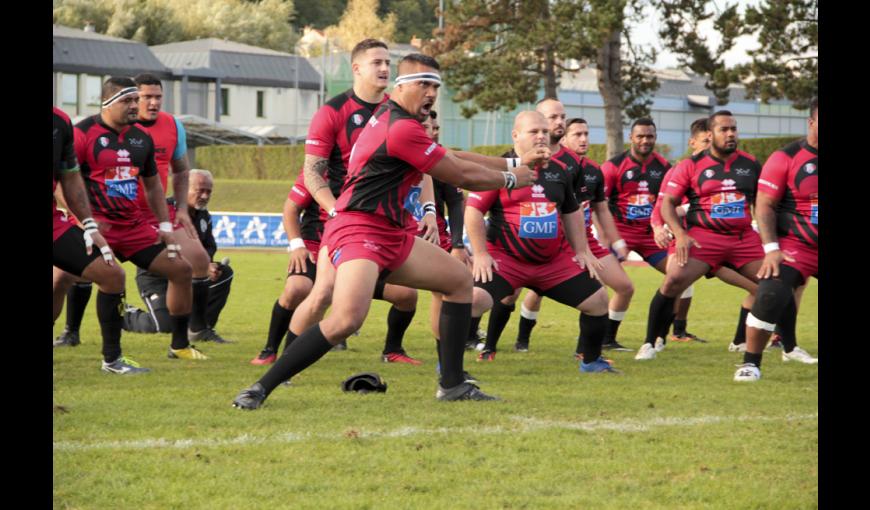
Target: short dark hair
{"points": [[419, 58], [147, 79], [433, 114], [711, 120], [114, 84], [643, 121], [814, 107], [366, 44], [698, 126], [576, 120]]}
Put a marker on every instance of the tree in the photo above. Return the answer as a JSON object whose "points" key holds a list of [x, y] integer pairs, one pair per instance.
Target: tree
{"points": [[500, 53], [319, 14], [77, 13], [413, 18], [360, 21]]}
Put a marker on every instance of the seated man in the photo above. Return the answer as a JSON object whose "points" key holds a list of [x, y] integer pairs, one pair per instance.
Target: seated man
{"points": [[152, 287]]}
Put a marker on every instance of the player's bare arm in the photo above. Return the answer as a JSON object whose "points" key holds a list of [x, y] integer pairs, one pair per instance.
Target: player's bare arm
{"points": [[475, 177], [76, 199], [575, 231], [765, 216], [682, 239], [428, 222], [606, 226], [299, 254], [483, 263], [157, 203], [533, 157], [314, 169], [180, 178]]}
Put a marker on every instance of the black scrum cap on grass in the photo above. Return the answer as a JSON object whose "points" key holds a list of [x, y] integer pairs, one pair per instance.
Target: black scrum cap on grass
{"points": [[364, 382]]}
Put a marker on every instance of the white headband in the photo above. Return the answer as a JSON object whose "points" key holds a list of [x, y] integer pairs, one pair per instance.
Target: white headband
{"points": [[120, 95], [408, 78]]}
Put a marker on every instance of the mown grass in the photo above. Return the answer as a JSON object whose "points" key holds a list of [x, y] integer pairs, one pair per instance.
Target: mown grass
{"points": [[672, 433]]}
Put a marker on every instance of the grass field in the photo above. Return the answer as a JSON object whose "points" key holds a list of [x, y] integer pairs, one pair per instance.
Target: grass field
{"points": [[233, 195], [675, 432]]}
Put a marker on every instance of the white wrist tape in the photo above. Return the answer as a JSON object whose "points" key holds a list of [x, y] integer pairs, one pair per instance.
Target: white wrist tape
{"points": [[165, 226], [513, 162], [769, 247], [510, 180], [296, 243]]}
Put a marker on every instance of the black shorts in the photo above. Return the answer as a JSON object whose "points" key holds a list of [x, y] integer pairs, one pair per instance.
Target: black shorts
{"points": [[70, 254], [310, 271], [571, 292]]}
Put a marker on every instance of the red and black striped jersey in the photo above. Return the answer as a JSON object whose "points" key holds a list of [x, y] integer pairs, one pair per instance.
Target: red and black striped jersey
{"points": [[656, 220], [334, 130], [313, 216], [593, 190], [389, 159], [632, 186], [720, 192], [527, 222], [164, 134], [111, 164], [64, 149], [791, 175]]}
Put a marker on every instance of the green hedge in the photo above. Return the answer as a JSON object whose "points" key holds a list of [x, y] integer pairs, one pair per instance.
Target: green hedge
{"points": [[283, 162], [275, 162]]}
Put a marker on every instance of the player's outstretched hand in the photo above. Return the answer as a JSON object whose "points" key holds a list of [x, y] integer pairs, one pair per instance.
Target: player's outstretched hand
{"points": [[483, 267], [662, 236], [770, 265], [536, 156], [683, 244], [299, 259]]}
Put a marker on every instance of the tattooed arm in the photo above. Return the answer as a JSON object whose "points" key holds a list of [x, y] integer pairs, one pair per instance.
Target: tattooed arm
{"points": [[315, 169]]}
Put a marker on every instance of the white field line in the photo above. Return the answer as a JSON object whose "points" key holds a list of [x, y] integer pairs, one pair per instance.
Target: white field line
{"points": [[521, 424]]}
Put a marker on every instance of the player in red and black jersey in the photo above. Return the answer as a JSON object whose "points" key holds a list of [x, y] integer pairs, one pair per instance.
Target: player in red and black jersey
{"points": [[367, 241], [117, 156], [73, 249], [787, 211], [524, 246], [333, 131], [721, 183]]}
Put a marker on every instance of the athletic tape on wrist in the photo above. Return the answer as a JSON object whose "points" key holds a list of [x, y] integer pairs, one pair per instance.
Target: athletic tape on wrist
{"points": [[618, 244], [165, 226], [296, 243], [510, 180], [769, 247]]}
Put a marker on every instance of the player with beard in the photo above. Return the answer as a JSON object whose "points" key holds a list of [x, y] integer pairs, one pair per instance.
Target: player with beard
{"points": [[367, 240], [721, 184], [787, 211]]}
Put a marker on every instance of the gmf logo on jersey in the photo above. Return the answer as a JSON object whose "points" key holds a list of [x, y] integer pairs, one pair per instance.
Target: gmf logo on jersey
{"points": [[639, 207], [814, 209], [728, 205], [538, 191], [538, 220], [587, 213], [122, 182], [412, 201], [357, 119]]}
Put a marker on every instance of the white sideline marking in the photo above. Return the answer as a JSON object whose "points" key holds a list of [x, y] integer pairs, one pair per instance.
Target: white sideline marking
{"points": [[522, 424]]}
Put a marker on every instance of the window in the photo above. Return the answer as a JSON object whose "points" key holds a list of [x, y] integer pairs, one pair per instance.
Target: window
{"points": [[70, 93], [260, 95], [225, 101], [93, 90]]}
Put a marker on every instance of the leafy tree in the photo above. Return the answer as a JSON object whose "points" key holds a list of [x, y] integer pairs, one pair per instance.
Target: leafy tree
{"points": [[359, 21], [319, 14], [414, 18], [77, 13]]}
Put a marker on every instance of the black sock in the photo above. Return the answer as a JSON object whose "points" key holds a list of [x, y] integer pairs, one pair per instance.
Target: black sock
{"points": [[277, 326], [109, 315], [785, 326], [453, 325], [663, 333], [288, 339], [77, 298], [525, 331], [498, 319], [680, 327], [472, 329], [592, 329], [200, 304], [740, 332], [179, 331], [302, 353], [438, 351], [612, 329], [755, 359], [397, 323], [661, 312]]}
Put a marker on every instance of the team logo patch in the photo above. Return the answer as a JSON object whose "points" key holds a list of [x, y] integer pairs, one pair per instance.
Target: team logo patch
{"points": [[203, 225], [549, 176], [369, 245], [655, 174], [730, 205], [104, 141], [412, 202], [639, 207], [538, 220], [357, 119], [810, 168], [728, 184], [122, 182], [709, 173], [629, 174], [135, 141], [538, 191], [742, 171]]}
